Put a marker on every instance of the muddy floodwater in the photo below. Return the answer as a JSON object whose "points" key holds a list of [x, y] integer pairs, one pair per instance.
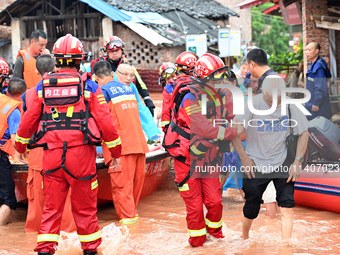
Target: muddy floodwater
{"points": [[162, 230]]}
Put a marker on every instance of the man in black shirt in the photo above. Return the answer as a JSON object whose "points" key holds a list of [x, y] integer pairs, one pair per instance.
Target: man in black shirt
{"points": [[257, 62]]}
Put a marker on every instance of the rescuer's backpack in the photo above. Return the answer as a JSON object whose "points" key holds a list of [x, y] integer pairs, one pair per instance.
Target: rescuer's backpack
{"points": [[66, 120], [65, 114]]}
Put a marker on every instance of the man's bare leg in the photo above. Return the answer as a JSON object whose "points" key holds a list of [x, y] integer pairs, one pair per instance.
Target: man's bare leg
{"points": [[271, 209], [246, 225], [286, 223], [5, 213]]}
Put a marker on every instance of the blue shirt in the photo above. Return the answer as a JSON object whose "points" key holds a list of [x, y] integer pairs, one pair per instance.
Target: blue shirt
{"points": [[13, 125]]}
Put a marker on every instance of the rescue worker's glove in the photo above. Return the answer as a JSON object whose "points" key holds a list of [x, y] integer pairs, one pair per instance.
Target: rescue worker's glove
{"points": [[247, 80], [150, 105], [223, 145]]}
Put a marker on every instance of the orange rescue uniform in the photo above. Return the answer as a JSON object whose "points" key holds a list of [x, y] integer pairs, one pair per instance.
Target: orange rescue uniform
{"points": [[126, 180]]}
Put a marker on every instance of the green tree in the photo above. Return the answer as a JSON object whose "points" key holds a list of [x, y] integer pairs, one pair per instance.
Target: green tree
{"points": [[269, 32]]}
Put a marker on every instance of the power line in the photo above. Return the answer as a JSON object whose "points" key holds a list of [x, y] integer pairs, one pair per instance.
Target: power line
{"points": [[265, 16]]}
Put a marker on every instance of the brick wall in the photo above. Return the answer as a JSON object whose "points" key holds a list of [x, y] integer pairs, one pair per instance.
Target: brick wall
{"points": [[143, 54], [5, 31], [337, 52], [310, 31], [146, 57]]}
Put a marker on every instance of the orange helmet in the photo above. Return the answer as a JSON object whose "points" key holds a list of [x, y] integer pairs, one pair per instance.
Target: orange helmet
{"points": [[113, 43], [186, 60], [167, 69], [211, 67], [4, 68], [68, 47]]}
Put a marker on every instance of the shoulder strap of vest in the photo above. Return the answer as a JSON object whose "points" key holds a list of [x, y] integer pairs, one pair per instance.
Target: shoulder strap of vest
{"points": [[21, 52], [85, 76]]}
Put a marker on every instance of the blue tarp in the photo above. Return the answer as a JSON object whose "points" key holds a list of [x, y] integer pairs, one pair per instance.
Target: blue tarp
{"points": [[107, 9], [147, 17]]}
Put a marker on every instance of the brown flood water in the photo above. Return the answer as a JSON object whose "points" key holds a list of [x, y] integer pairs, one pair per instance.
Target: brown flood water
{"points": [[162, 230]]}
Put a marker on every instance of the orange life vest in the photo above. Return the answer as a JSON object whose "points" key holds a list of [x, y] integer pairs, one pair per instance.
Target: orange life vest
{"points": [[7, 106], [30, 72]]}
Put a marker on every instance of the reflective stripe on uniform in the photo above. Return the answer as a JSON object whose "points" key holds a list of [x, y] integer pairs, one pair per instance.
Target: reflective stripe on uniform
{"points": [[196, 151], [185, 187], [6, 108], [187, 110], [221, 131], [113, 143], [141, 83], [164, 123], [129, 220], [89, 238], [199, 232], [21, 139], [48, 238], [121, 98], [70, 111], [27, 56], [39, 93], [94, 184], [87, 94], [101, 99], [195, 109], [65, 80], [212, 224]]}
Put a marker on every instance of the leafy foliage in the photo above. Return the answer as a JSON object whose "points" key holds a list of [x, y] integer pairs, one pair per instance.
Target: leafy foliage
{"points": [[269, 32], [290, 58], [272, 34]]}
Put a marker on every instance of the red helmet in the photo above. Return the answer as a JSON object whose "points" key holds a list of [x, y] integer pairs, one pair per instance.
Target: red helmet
{"points": [[167, 69], [186, 60], [4, 68], [68, 47], [113, 43], [211, 67]]}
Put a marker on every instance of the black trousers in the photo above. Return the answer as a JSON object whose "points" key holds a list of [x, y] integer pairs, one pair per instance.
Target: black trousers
{"points": [[7, 187], [255, 187]]}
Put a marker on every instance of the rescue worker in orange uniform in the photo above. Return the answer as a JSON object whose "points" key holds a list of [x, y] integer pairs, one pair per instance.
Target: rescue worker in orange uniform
{"points": [[196, 144], [24, 66], [70, 115], [45, 64], [127, 180], [9, 123], [114, 55], [185, 63]]}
